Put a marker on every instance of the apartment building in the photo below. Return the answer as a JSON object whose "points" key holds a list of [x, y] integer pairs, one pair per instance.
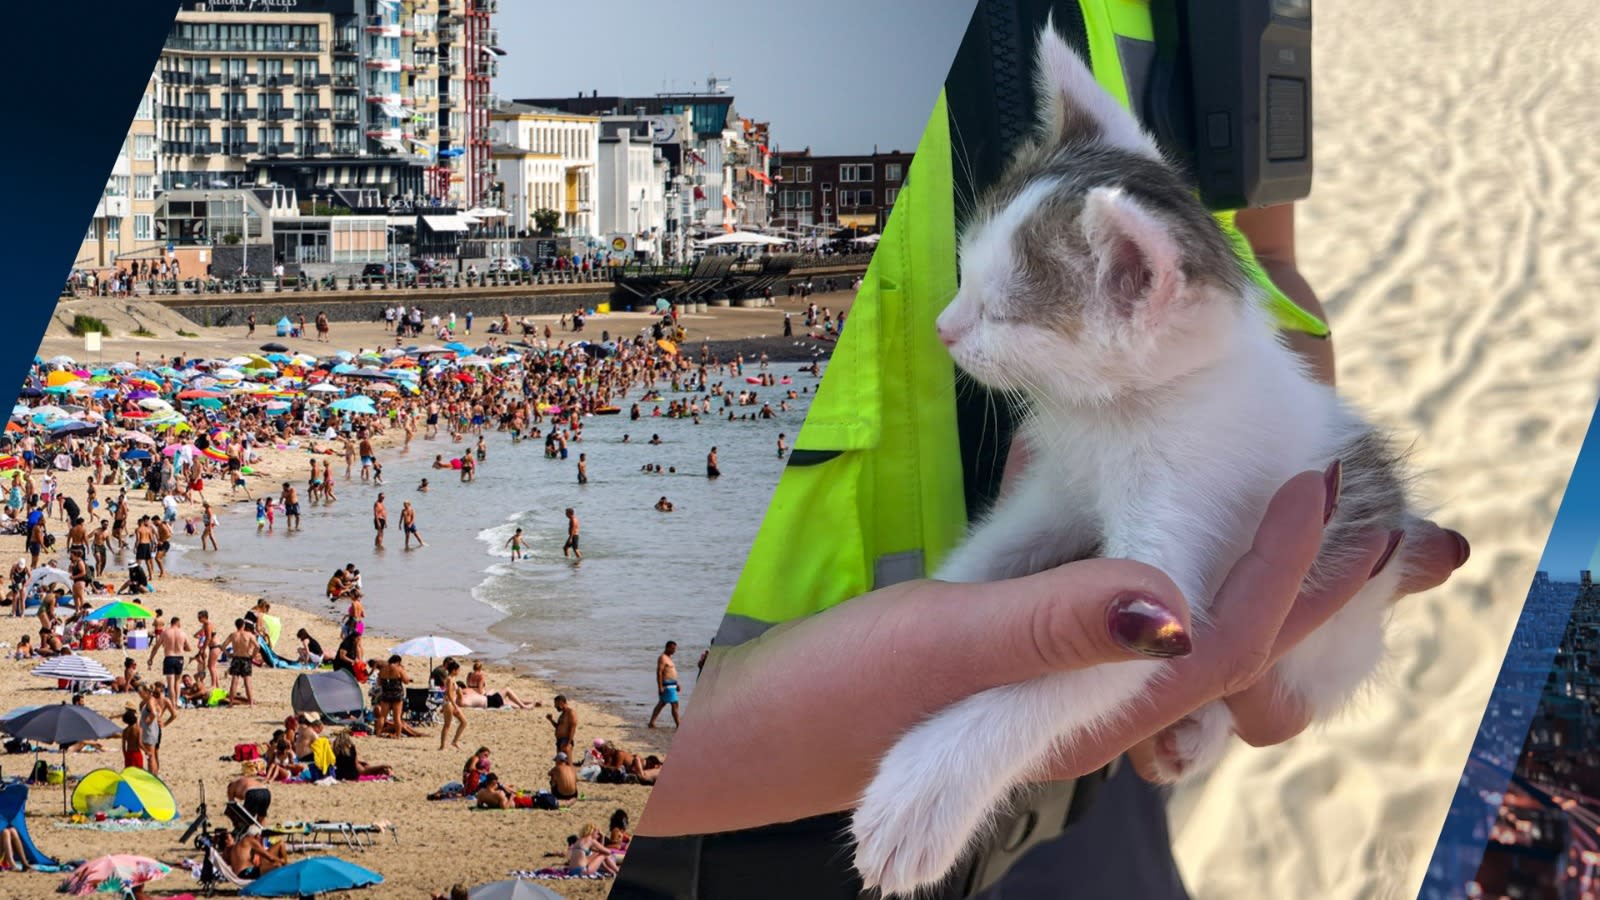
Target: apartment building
{"points": [[832, 192], [545, 159], [329, 97], [124, 217]]}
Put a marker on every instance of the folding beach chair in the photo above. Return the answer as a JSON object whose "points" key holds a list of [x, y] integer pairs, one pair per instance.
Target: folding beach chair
{"points": [[422, 707], [214, 871], [332, 835]]}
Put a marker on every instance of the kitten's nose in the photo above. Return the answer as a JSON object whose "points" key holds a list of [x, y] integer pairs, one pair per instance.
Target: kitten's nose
{"points": [[948, 334]]}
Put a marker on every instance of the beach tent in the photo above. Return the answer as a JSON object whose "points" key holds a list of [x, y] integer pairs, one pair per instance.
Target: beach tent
{"points": [[285, 326], [13, 803], [336, 696], [133, 789]]}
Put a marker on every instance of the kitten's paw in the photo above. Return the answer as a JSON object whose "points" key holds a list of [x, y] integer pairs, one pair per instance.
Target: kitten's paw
{"points": [[1194, 744], [911, 829]]}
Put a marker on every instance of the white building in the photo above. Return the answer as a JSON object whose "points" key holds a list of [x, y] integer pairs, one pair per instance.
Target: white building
{"points": [[633, 178], [546, 159]]}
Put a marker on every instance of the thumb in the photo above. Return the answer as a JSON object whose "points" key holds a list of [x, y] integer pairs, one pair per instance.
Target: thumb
{"points": [[1071, 617]]}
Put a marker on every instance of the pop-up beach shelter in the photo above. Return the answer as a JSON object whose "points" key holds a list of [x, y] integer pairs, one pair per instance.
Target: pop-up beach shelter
{"points": [[13, 802], [133, 790], [334, 695]]}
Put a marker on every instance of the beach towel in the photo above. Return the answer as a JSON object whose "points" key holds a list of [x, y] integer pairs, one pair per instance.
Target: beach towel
{"points": [[556, 873], [322, 754]]}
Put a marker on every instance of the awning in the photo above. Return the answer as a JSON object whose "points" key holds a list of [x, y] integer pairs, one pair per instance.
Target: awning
{"points": [[445, 223], [401, 221]]}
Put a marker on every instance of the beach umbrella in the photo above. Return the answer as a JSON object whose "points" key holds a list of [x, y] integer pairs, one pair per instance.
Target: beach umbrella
{"points": [[361, 405], [459, 347], [309, 877], [431, 646], [62, 724], [138, 437], [514, 889], [113, 875], [136, 454], [325, 389], [344, 355], [72, 668], [73, 428], [343, 369], [121, 609], [274, 348]]}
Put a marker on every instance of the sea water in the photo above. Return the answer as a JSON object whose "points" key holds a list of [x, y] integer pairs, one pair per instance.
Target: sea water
{"points": [[593, 628]]}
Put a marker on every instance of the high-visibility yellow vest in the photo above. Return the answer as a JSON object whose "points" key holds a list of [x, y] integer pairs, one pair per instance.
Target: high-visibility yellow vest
{"points": [[873, 492]]}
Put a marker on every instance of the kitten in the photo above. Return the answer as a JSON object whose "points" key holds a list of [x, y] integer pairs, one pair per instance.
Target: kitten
{"points": [[1165, 412]]}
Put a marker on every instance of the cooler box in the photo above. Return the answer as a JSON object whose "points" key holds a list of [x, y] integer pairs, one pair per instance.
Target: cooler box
{"points": [[139, 640]]}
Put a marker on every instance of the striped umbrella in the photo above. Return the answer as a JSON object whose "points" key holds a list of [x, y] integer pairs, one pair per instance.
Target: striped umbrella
{"points": [[72, 668], [120, 609]]}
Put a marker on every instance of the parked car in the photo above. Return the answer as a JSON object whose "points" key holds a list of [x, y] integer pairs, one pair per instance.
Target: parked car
{"points": [[504, 264], [402, 269]]}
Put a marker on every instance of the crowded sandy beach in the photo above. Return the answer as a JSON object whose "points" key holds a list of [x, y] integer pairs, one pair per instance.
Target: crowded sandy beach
{"points": [[247, 423]]}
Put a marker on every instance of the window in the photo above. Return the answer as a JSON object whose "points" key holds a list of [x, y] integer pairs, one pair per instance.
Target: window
{"points": [[147, 107], [143, 227], [144, 146], [94, 233], [864, 197], [805, 199], [802, 174], [892, 172], [890, 195], [847, 198], [143, 187], [117, 186], [113, 229]]}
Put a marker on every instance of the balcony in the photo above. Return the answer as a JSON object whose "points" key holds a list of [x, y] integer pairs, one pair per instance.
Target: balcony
{"points": [[346, 47], [491, 38], [486, 6], [241, 148], [348, 148], [242, 113], [241, 45], [350, 82], [346, 114], [449, 34], [276, 82], [312, 113], [488, 68], [278, 114], [177, 148]]}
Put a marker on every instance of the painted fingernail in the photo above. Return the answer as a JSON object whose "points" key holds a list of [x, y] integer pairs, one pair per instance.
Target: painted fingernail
{"points": [[1463, 549], [1144, 626], [1331, 477], [1396, 537]]}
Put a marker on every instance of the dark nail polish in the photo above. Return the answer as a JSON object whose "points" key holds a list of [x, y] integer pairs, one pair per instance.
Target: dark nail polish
{"points": [[1396, 537], [1141, 624], [1331, 477], [1463, 549]]}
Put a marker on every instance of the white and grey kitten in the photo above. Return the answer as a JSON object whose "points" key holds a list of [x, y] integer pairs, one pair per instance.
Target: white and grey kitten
{"points": [[1165, 412]]}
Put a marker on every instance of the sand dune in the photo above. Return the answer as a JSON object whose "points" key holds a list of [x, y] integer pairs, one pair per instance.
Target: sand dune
{"points": [[1454, 233]]}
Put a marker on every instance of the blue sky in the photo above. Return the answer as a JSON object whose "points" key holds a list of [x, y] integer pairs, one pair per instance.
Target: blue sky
{"points": [[837, 75]]}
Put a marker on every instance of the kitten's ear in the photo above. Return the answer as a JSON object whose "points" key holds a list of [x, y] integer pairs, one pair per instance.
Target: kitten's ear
{"points": [[1073, 107], [1138, 263]]}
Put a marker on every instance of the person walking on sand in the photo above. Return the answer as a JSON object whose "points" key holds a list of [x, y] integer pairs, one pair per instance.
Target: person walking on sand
{"points": [[452, 705], [173, 644], [291, 508], [207, 650], [666, 684], [408, 524], [208, 531], [572, 535], [566, 726], [153, 705], [515, 543], [380, 521], [240, 668]]}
